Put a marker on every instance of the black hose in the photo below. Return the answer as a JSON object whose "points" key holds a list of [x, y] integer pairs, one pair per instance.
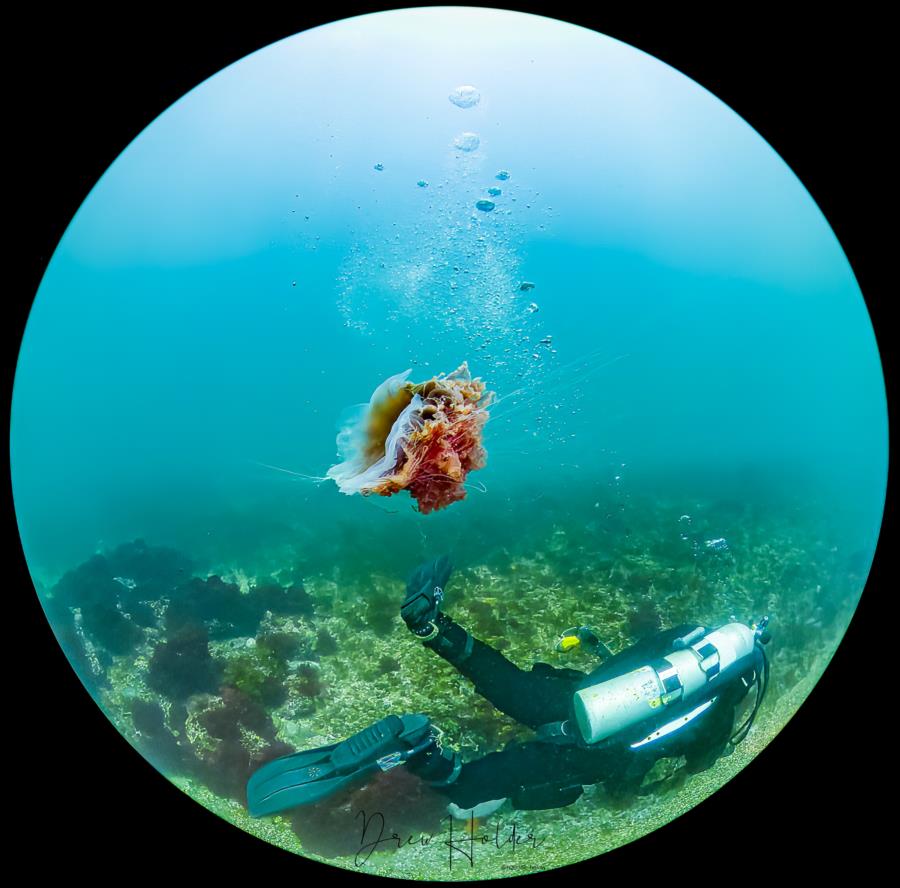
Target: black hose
{"points": [[762, 685]]}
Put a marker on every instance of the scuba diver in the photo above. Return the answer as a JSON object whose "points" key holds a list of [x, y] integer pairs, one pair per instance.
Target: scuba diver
{"points": [[673, 694]]}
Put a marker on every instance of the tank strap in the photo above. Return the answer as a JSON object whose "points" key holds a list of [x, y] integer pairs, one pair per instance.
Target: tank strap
{"points": [[708, 655], [673, 687]]}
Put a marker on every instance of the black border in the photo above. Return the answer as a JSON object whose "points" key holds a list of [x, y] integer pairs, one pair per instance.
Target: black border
{"points": [[815, 87]]}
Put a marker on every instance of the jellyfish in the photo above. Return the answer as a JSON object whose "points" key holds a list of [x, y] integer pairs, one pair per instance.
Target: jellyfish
{"points": [[421, 437]]}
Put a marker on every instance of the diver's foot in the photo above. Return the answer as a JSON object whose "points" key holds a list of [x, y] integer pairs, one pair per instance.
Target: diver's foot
{"points": [[437, 765]]}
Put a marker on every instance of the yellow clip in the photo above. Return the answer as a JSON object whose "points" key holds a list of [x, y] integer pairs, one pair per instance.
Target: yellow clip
{"points": [[568, 641]]}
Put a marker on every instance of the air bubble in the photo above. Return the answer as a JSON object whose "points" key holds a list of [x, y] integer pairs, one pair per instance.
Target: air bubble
{"points": [[467, 141], [465, 97]]}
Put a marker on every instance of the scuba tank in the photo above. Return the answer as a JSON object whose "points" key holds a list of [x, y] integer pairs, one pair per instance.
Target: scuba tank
{"points": [[686, 680]]}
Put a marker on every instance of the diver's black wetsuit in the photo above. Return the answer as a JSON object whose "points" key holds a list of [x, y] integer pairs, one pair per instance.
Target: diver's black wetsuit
{"points": [[544, 773]]}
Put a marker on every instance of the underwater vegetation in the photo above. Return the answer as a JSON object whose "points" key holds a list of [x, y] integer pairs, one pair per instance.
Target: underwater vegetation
{"points": [[211, 676], [408, 805], [182, 665]]}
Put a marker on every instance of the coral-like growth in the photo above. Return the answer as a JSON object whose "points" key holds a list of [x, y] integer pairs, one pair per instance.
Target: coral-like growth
{"points": [[109, 627], [231, 737], [147, 573], [182, 665], [307, 681], [112, 593], [387, 665], [381, 614], [424, 438], [156, 740], [325, 643], [291, 601], [92, 588], [644, 620], [260, 674], [221, 605], [283, 645]]}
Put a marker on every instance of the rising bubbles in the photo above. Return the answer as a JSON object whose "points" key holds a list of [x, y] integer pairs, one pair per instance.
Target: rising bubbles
{"points": [[465, 97]]}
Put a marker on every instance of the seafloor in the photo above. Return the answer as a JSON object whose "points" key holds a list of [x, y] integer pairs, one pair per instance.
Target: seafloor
{"points": [[208, 675]]}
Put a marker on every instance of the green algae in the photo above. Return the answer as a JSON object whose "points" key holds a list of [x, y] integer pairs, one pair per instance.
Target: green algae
{"points": [[260, 673]]}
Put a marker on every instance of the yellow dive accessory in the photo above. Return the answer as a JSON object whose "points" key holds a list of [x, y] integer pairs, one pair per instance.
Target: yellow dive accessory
{"points": [[568, 641], [581, 637]]}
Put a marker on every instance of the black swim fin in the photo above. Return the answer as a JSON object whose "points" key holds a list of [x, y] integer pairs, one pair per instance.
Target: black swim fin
{"points": [[425, 592], [431, 573], [306, 777]]}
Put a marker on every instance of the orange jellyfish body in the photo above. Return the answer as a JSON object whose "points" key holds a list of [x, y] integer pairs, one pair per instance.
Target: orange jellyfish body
{"points": [[424, 438]]}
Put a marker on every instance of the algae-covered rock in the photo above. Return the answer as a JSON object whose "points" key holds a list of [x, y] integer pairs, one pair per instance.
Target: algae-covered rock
{"points": [[221, 606], [231, 736], [182, 665], [259, 673]]}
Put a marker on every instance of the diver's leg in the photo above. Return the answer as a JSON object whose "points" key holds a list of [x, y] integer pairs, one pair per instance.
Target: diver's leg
{"points": [[626, 774], [532, 697], [532, 775], [711, 739]]}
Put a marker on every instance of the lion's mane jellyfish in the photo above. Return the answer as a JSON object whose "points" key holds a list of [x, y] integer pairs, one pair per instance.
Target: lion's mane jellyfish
{"points": [[421, 437]]}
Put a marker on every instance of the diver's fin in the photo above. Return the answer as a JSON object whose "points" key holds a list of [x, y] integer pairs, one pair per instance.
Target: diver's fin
{"points": [[431, 574], [306, 777], [298, 779]]}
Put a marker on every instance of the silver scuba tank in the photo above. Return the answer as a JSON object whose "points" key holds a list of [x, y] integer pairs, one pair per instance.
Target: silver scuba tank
{"points": [[616, 704]]}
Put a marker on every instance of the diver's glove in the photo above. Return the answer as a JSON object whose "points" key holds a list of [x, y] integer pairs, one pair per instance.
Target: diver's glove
{"points": [[424, 593]]}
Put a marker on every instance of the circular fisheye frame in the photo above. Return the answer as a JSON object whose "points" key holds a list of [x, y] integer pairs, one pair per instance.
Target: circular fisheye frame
{"points": [[483, 450]]}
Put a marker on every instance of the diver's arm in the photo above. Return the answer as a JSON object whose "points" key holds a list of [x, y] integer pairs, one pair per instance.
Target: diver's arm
{"points": [[532, 697]]}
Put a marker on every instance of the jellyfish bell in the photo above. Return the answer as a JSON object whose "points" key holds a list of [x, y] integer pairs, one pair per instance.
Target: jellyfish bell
{"points": [[421, 437], [369, 435]]}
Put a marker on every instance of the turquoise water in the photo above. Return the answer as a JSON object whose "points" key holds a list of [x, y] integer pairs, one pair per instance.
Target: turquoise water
{"points": [[695, 337]]}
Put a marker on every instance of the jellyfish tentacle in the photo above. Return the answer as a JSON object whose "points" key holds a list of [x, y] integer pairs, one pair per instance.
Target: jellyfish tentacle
{"points": [[314, 478]]}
